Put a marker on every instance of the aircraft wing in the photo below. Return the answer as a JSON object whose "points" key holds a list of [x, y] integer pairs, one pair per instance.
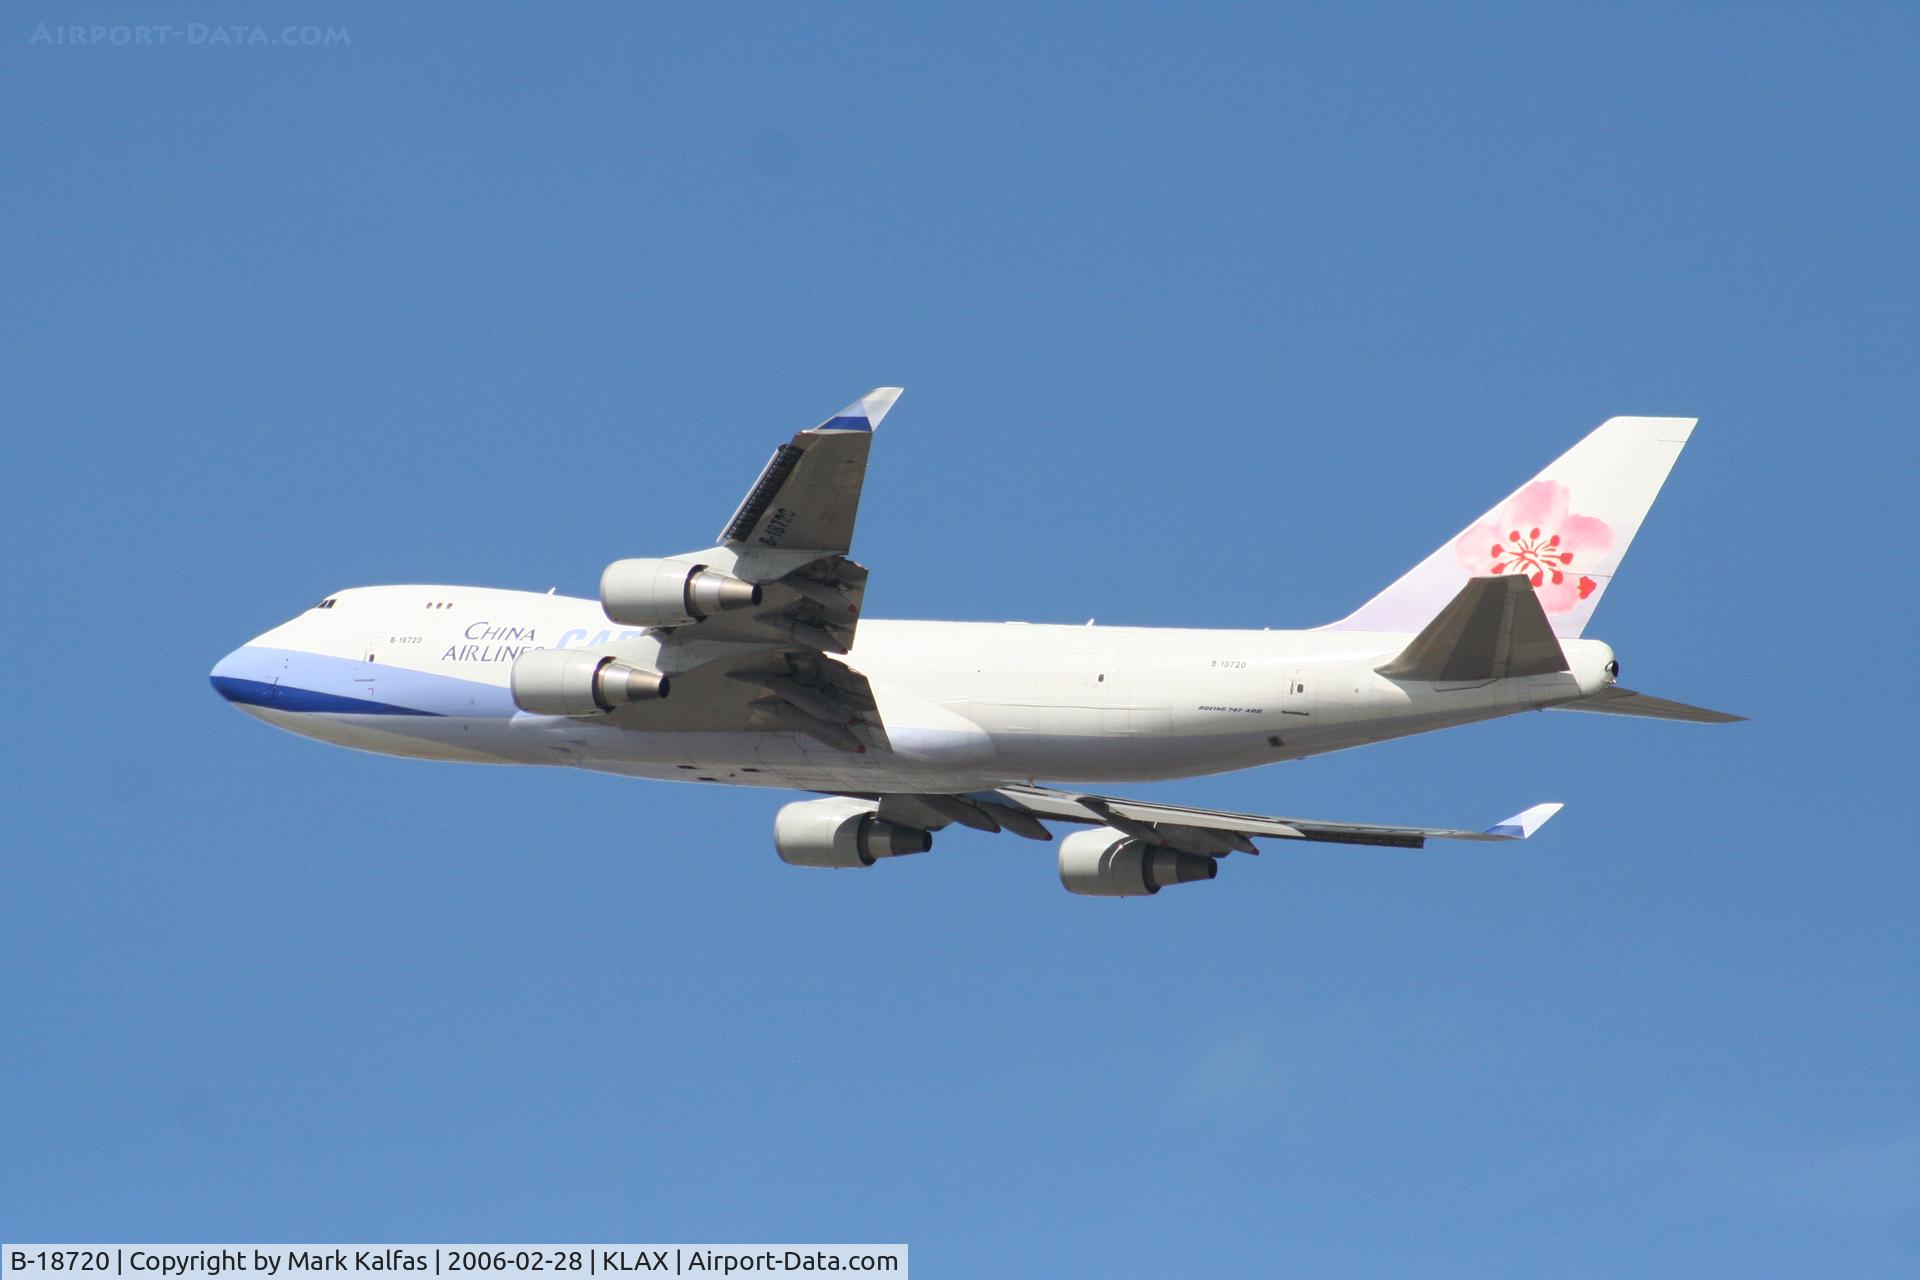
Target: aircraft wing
{"points": [[772, 666], [809, 492], [791, 534], [1203, 831]]}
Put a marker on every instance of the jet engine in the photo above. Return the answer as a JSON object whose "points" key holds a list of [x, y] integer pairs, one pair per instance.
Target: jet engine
{"points": [[841, 832], [669, 593], [561, 682], [1104, 863]]}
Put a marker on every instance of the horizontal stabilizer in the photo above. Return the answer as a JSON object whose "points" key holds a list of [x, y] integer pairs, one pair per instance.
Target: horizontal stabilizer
{"points": [[1493, 629], [1625, 702]]}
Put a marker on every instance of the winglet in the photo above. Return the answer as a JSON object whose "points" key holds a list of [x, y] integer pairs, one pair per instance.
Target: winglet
{"points": [[865, 413], [1525, 823]]}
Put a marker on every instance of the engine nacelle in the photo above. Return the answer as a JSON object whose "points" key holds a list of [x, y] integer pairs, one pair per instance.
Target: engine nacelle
{"points": [[670, 593], [841, 832], [562, 682], [1104, 863]]}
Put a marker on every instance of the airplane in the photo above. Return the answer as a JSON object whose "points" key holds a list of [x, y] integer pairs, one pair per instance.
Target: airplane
{"points": [[748, 663]]}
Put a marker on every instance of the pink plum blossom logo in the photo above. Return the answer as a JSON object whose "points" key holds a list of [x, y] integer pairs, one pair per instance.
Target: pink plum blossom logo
{"points": [[1535, 535]]}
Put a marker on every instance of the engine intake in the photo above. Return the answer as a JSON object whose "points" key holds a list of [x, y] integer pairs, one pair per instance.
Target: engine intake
{"points": [[841, 832], [559, 682], [670, 593], [1104, 863]]}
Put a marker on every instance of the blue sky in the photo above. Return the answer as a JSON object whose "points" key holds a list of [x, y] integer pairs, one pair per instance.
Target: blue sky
{"points": [[1207, 319]]}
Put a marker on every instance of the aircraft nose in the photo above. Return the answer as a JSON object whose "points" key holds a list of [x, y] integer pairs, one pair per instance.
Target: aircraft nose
{"points": [[226, 679], [249, 677], [253, 676]]}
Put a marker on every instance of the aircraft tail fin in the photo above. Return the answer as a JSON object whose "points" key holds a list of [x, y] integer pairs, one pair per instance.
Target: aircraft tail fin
{"points": [[1494, 629], [1625, 702], [1565, 531]]}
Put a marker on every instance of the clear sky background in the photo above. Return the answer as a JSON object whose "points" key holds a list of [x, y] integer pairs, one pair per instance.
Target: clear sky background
{"points": [[1214, 318]]}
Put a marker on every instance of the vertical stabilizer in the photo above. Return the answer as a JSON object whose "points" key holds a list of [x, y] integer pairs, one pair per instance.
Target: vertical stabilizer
{"points": [[1566, 531]]}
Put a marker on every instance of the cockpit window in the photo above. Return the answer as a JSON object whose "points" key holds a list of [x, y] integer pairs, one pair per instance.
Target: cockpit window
{"points": [[327, 603]]}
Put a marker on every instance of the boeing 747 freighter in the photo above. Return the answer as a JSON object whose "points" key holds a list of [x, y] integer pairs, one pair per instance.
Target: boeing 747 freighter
{"points": [[749, 663]]}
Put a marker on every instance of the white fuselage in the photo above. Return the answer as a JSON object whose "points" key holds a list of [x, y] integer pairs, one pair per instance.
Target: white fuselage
{"points": [[423, 671]]}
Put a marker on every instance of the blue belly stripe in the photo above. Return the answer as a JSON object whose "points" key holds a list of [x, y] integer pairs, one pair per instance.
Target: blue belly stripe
{"points": [[281, 697]]}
